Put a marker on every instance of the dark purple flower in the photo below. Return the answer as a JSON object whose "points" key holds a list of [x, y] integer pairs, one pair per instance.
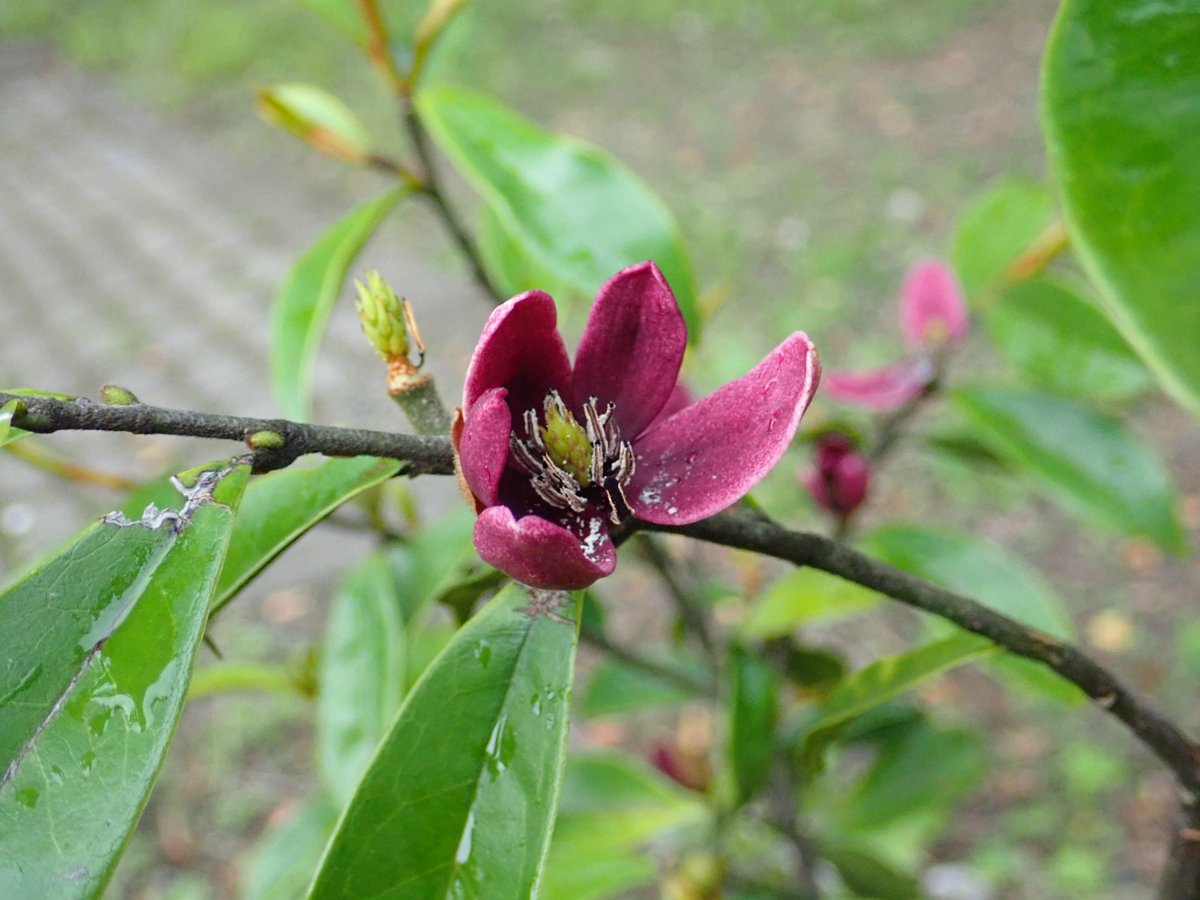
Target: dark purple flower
{"points": [[839, 478], [553, 455]]}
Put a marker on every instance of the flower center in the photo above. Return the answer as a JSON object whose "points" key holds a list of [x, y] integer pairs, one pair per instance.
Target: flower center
{"points": [[573, 464]]}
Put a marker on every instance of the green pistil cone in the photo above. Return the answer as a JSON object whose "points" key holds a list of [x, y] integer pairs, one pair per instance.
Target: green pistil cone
{"points": [[567, 443], [382, 315]]}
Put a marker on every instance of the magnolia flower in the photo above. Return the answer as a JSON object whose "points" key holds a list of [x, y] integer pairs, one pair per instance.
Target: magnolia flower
{"points": [[932, 314], [839, 478], [553, 456]]}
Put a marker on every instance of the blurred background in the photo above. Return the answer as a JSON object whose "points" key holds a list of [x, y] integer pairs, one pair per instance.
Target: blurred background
{"points": [[811, 151]]}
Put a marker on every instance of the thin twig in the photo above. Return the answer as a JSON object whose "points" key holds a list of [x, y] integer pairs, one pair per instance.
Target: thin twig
{"points": [[651, 667], [694, 621], [45, 415]]}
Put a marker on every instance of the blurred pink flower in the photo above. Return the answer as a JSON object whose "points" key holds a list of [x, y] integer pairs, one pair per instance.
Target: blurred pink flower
{"points": [[932, 314], [552, 455], [932, 309], [840, 476]]}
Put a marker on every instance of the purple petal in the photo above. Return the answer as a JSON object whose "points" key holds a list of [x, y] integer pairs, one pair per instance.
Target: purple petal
{"points": [[680, 398], [541, 553], [705, 457], [632, 347], [932, 310], [521, 350], [883, 389], [483, 446]]}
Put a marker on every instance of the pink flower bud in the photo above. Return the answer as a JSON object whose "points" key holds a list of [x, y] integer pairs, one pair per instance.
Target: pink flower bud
{"points": [[839, 479], [932, 311], [882, 389]]}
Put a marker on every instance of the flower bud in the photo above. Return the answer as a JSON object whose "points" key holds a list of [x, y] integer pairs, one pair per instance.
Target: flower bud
{"points": [[115, 395], [839, 478], [382, 315]]}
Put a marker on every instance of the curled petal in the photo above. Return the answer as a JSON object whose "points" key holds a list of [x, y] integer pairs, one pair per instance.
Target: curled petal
{"points": [[703, 458], [883, 389], [632, 347], [932, 310], [520, 350], [482, 446], [542, 554]]}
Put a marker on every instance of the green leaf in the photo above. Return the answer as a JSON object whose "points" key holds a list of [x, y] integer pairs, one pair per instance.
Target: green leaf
{"points": [[804, 597], [560, 206], [317, 117], [1120, 103], [460, 798], [7, 432], [616, 688], [611, 805], [306, 299], [282, 506], [977, 568], [882, 680], [90, 696], [1060, 341], [990, 574], [752, 717], [513, 265], [867, 874], [281, 865], [362, 674], [902, 781], [1088, 461], [994, 231]]}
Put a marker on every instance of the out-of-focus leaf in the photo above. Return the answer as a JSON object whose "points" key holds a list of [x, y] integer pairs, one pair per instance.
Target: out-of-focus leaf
{"points": [[804, 597], [610, 806], [282, 864], [306, 299], [963, 446], [1060, 341], [7, 432], [362, 674], [282, 506], [615, 688], [926, 768], [991, 575], [99, 645], [813, 668], [1090, 463], [1120, 103], [972, 566], [867, 874], [995, 230], [752, 717], [567, 207], [882, 680], [318, 118], [514, 267], [460, 799]]}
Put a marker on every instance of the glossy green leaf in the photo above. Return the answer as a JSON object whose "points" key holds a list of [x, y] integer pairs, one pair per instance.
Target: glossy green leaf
{"points": [[753, 713], [317, 117], [362, 674], [974, 567], [282, 506], [994, 231], [1062, 342], [803, 597], [306, 300], [282, 864], [513, 266], [882, 680], [611, 806], [990, 574], [101, 641], [1088, 461], [1120, 103], [460, 798], [566, 206]]}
